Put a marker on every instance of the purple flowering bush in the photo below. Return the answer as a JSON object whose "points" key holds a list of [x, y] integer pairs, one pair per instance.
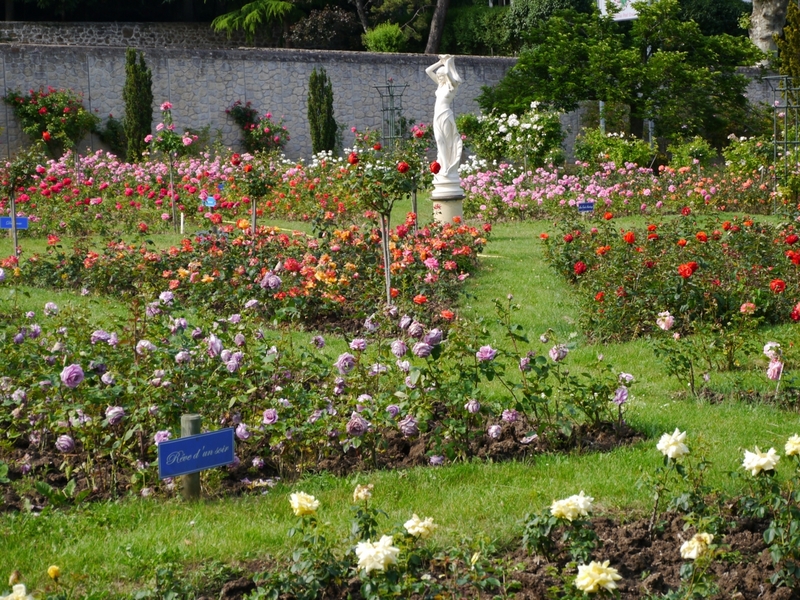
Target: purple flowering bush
{"points": [[83, 393]]}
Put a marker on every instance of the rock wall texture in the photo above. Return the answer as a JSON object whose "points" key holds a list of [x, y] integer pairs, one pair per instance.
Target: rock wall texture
{"points": [[202, 83], [137, 35]]}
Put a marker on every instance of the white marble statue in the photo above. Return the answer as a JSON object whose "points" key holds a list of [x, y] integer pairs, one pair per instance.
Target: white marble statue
{"points": [[446, 183]]}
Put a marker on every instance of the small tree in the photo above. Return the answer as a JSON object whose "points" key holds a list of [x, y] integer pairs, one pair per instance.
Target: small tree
{"points": [[320, 112], [138, 97]]}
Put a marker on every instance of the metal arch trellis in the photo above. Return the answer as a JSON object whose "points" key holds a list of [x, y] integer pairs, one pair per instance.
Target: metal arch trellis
{"points": [[392, 111], [785, 122]]}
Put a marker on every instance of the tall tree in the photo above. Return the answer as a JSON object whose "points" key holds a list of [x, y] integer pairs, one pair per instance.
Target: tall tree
{"points": [[254, 15], [138, 97]]}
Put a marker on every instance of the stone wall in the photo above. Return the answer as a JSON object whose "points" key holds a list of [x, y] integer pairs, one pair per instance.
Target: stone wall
{"points": [[137, 35], [201, 84]]}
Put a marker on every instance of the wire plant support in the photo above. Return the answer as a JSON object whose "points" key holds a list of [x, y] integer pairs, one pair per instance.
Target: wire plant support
{"points": [[392, 112], [785, 124]]}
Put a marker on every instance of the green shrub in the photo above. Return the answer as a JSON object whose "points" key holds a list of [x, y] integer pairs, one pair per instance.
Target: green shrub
{"points": [[138, 97], [386, 37], [260, 134], [689, 153], [745, 156], [57, 117], [320, 112], [595, 147]]}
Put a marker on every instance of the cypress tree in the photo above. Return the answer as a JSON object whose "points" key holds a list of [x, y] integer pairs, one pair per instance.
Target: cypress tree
{"points": [[320, 112], [138, 97]]}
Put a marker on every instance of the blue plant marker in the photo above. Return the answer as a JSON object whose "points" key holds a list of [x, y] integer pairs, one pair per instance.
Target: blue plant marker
{"points": [[210, 202], [5, 223], [195, 453], [585, 207]]}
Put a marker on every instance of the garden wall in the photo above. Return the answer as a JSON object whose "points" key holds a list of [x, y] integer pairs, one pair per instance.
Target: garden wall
{"points": [[202, 83]]}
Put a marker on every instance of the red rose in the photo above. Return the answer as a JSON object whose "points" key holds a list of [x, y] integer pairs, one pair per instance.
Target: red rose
{"points": [[579, 267], [600, 296], [248, 168], [353, 158], [435, 167], [701, 236], [420, 299], [568, 238], [236, 160], [792, 239], [143, 227], [686, 211], [777, 285], [377, 146], [448, 315], [726, 225], [686, 270], [487, 227], [629, 237], [649, 264], [46, 136], [681, 242], [608, 216], [403, 167], [652, 237], [651, 227]]}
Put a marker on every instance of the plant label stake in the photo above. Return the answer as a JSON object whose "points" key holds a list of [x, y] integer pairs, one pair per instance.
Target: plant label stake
{"points": [[194, 452]]}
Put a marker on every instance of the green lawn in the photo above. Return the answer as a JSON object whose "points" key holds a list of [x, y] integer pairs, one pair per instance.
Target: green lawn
{"points": [[113, 547]]}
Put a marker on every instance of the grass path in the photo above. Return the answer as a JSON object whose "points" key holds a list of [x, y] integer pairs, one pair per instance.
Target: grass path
{"points": [[115, 546]]}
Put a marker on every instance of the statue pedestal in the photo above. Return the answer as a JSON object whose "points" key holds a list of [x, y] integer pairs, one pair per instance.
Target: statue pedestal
{"points": [[447, 198], [446, 209]]}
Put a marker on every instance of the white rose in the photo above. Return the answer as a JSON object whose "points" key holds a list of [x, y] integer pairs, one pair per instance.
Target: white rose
{"points": [[573, 507], [377, 556], [758, 461], [362, 493], [696, 546], [672, 445]]}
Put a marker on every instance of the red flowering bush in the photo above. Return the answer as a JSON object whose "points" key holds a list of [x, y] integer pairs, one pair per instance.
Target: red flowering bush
{"points": [[697, 278]]}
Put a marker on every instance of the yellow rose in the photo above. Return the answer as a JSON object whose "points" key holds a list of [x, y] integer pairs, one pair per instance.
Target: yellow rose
{"points": [[362, 493], [54, 572], [303, 504]]}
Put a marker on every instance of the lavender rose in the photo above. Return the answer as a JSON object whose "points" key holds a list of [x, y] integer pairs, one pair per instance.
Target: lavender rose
{"points": [[399, 348], [416, 330], [65, 444], [345, 363], [242, 433], [422, 349], [494, 431], [558, 353], [393, 410], [161, 436], [357, 425], [72, 375], [270, 416], [433, 337], [358, 344], [472, 407], [486, 353], [114, 414], [408, 426]]}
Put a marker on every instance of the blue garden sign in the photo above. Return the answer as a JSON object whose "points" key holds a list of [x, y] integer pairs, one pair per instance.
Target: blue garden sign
{"points": [[210, 202], [195, 453], [584, 207], [5, 223]]}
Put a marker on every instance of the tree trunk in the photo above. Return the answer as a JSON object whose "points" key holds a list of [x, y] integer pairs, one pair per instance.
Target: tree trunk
{"points": [[437, 27], [361, 9], [767, 20], [9, 10]]}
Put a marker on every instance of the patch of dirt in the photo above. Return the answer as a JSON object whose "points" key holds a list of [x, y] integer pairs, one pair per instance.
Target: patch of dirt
{"points": [[649, 567]]}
